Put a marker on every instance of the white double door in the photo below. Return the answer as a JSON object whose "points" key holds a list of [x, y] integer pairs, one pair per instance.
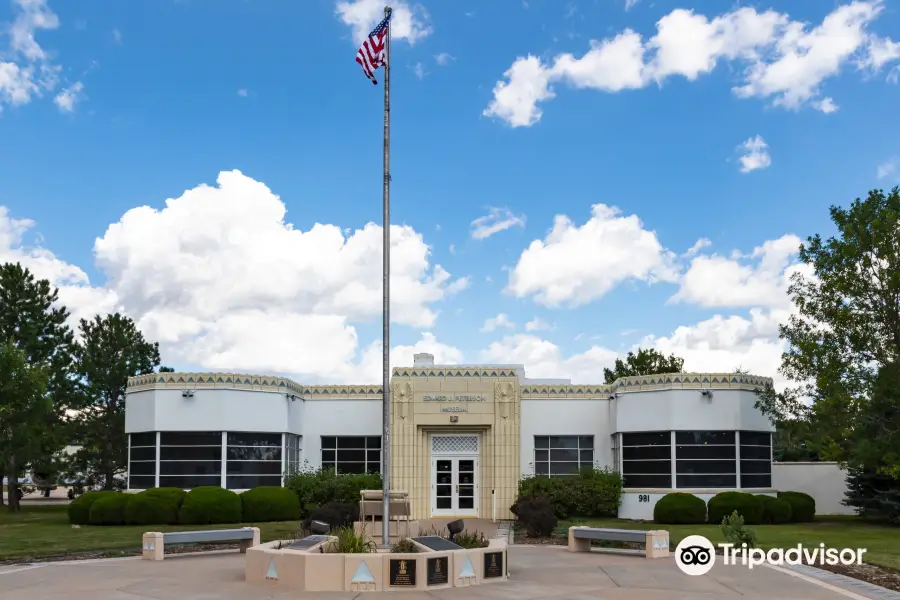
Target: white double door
{"points": [[454, 485]]}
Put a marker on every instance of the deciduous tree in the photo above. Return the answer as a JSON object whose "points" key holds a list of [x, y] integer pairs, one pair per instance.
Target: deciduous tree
{"points": [[645, 362]]}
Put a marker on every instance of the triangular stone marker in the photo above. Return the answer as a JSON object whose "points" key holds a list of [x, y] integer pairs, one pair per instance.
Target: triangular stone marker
{"points": [[146, 547], [660, 545], [271, 573], [363, 574], [151, 548], [467, 569]]}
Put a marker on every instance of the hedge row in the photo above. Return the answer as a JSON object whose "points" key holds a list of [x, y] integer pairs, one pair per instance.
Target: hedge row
{"points": [[591, 493], [206, 505], [687, 509]]}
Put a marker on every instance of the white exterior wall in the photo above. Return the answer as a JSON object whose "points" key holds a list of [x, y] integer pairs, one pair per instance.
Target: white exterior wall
{"points": [[556, 416], [826, 482], [689, 410], [339, 417]]}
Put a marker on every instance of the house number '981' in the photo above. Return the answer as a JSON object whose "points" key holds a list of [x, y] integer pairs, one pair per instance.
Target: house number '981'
{"points": [[643, 497]]}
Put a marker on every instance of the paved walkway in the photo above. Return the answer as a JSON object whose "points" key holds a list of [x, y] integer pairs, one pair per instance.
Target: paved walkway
{"points": [[535, 574]]}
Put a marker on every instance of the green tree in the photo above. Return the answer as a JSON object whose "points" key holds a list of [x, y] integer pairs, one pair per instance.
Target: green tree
{"points": [[845, 330], [166, 370], [111, 350], [32, 320], [25, 408], [645, 362]]}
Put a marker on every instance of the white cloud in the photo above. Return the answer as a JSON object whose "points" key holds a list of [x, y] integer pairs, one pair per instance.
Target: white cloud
{"points": [[755, 155], [825, 105], [544, 359], [497, 220], [443, 59], [243, 93], [117, 36], [26, 71], [889, 167], [66, 99], [777, 58], [494, 323], [759, 279], [419, 70], [369, 369], [537, 324], [574, 265], [697, 247], [629, 4], [409, 21]]}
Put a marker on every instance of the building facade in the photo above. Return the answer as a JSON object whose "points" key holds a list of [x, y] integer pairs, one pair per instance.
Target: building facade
{"points": [[461, 437]]}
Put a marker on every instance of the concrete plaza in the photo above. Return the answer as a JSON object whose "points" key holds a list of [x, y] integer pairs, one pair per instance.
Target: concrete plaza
{"points": [[536, 573]]}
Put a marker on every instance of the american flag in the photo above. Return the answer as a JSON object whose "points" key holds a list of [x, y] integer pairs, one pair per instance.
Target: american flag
{"points": [[371, 54]]}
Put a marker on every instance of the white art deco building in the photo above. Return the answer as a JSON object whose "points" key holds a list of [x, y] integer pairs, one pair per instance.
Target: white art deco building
{"points": [[461, 436]]}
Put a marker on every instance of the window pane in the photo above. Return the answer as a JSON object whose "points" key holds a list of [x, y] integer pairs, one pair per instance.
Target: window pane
{"points": [[586, 441], [141, 482], [541, 455], [329, 442], [541, 468], [190, 438], [541, 441], [190, 468], [563, 468], [189, 482], [705, 452], [648, 481], [351, 468], [755, 438], [373, 442], [647, 452], [373, 468], [143, 439], [143, 454], [327, 465], [254, 439], [587, 456], [687, 467], [253, 453], [755, 466], [351, 443], [564, 441], [564, 455], [328, 456], [653, 467], [254, 468], [756, 481], [142, 468], [706, 481], [704, 437], [351, 455], [246, 482], [757, 452], [653, 438], [190, 453], [373, 455]]}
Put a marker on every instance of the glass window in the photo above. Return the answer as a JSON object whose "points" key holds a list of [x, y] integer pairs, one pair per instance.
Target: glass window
{"points": [[756, 459], [246, 482], [560, 455], [292, 449], [142, 460], [188, 459], [352, 454], [251, 455], [647, 459], [705, 459]]}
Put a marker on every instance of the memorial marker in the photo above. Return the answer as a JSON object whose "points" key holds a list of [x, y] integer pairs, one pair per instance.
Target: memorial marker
{"points": [[437, 570], [493, 564], [402, 572]]}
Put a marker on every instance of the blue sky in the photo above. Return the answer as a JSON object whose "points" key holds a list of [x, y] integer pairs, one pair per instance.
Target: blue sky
{"points": [[524, 113]]}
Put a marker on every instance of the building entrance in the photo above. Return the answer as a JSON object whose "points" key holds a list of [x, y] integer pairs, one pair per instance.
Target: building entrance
{"points": [[454, 475]]}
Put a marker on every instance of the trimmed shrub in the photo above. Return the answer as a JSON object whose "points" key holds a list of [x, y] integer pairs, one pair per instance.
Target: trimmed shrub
{"points": [[680, 508], [591, 493], [775, 511], [337, 514], [269, 503], [724, 503], [157, 506], [316, 488], [208, 505], [109, 509], [803, 506], [80, 507], [537, 515]]}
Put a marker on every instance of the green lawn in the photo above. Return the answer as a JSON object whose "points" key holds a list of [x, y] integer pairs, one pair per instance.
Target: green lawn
{"points": [[882, 542], [45, 531]]}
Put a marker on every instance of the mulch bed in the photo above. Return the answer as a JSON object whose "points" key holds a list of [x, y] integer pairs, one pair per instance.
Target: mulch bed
{"points": [[874, 574], [114, 554]]}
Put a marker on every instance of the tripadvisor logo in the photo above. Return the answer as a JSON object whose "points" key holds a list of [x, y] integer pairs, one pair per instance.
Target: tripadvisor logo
{"points": [[696, 555]]}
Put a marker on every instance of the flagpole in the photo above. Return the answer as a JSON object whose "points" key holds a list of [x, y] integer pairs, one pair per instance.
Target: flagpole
{"points": [[386, 309]]}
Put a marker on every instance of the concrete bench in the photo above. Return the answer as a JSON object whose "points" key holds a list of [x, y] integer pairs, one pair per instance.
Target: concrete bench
{"points": [[656, 543], [154, 543]]}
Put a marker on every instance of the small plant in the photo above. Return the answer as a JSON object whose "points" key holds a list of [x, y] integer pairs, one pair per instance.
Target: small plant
{"points": [[735, 532], [537, 514], [471, 540], [404, 546], [349, 541]]}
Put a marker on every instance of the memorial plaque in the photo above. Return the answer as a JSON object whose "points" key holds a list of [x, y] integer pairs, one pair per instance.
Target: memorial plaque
{"points": [[437, 543], [307, 542], [402, 572], [437, 570], [493, 564]]}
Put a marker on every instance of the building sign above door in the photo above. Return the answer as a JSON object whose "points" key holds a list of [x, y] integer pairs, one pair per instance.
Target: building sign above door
{"points": [[453, 398], [455, 409]]}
